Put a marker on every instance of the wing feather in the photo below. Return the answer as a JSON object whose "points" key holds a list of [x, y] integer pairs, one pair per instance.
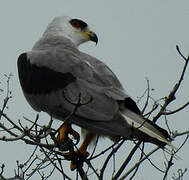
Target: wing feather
{"points": [[74, 76]]}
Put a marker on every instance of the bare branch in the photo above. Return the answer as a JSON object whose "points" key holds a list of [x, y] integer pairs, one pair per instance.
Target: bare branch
{"points": [[171, 97], [135, 166], [114, 150], [125, 163], [175, 134], [177, 110], [147, 97], [170, 163]]}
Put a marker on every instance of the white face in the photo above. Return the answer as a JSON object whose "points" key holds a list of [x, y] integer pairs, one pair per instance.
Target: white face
{"points": [[74, 29]]}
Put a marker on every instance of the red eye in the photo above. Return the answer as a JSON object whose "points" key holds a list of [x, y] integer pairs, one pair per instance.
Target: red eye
{"points": [[75, 24]]}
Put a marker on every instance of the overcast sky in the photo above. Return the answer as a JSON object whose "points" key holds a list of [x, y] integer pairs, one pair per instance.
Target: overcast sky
{"points": [[137, 39]]}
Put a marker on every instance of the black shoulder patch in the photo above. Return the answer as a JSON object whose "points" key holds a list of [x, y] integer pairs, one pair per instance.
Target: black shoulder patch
{"points": [[40, 80], [131, 105]]}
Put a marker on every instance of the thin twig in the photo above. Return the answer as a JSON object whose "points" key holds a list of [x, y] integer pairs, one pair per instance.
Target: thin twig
{"points": [[171, 97], [170, 163], [147, 97], [125, 163], [133, 168], [177, 110], [114, 150]]}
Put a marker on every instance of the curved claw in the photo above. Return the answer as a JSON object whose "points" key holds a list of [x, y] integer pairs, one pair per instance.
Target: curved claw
{"points": [[75, 135], [81, 154], [64, 131], [77, 158]]}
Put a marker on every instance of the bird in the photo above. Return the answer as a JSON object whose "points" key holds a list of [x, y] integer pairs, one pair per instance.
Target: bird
{"points": [[55, 76]]}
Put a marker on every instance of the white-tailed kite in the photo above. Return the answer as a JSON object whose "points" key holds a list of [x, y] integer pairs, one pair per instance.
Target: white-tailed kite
{"points": [[55, 73]]}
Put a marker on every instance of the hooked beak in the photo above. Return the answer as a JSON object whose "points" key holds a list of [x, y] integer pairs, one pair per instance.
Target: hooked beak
{"points": [[89, 35], [93, 37]]}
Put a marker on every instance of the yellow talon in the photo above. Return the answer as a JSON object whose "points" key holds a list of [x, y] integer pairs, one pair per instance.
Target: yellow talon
{"points": [[64, 131], [82, 151]]}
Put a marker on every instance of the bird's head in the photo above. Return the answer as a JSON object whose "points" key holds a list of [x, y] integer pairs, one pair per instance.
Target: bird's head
{"points": [[74, 29]]}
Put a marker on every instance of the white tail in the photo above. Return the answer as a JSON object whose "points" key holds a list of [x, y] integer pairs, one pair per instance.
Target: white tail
{"points": [[136, 121]]}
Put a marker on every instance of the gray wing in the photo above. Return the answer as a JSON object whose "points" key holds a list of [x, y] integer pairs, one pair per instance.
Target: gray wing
{"points": [[117, 91], [51, 79], [87, 76]]}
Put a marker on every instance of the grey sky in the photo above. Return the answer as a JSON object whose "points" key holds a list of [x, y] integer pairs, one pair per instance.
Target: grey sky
{"points": [[137, 39]]}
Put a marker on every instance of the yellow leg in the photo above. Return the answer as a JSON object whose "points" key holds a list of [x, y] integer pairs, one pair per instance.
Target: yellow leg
{"points": [[82, 151], [64, 131]]}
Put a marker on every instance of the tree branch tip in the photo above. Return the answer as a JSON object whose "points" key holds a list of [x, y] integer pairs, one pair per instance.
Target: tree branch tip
{"points": [[37, 116], [177, 48]]}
